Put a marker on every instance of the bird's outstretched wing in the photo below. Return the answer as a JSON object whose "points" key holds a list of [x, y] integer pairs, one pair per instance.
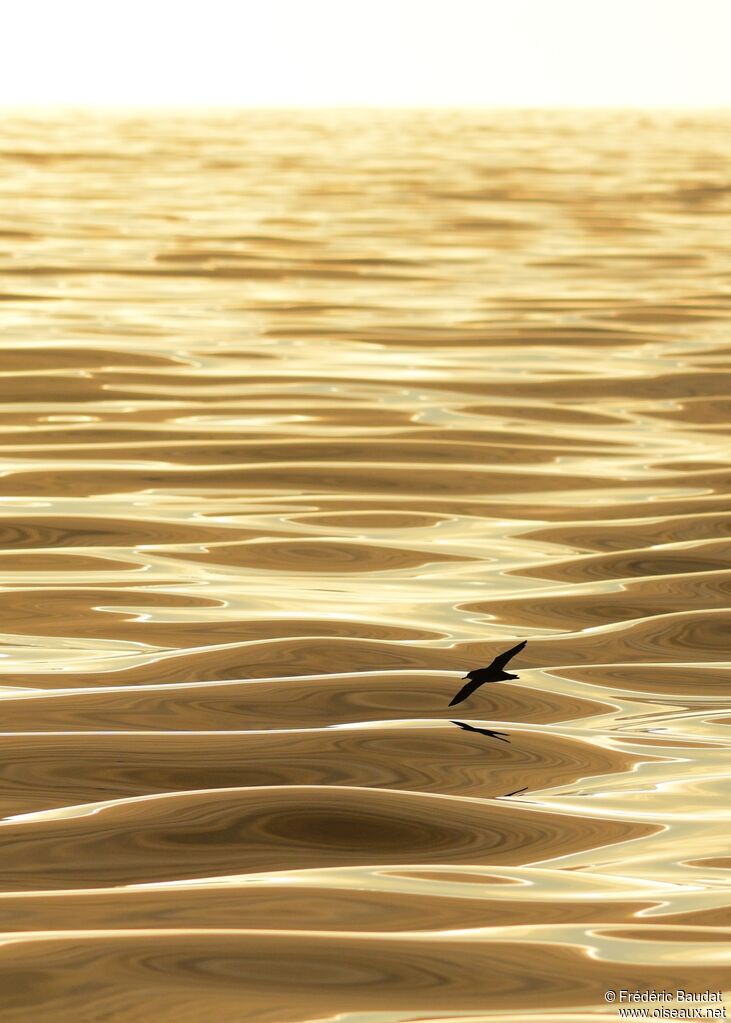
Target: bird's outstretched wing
{"points": [[502, 659], [465, 691]]}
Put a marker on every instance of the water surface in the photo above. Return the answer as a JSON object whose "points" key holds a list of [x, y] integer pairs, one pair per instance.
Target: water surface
{"points": [[304, 415]]}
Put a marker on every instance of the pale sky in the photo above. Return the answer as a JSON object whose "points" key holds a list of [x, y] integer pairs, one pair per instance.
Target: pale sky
{"points": [[366, 52]]}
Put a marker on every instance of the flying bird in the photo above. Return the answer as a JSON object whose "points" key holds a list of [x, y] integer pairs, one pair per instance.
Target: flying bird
{"points": [[483, 731], [492, 673]]}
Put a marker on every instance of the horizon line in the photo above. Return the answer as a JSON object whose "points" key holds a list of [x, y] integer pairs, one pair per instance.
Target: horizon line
{"points": [[196, 106]]}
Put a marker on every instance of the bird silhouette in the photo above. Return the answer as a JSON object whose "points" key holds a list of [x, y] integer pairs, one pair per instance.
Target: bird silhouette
{"points": [[483, 731], [492, 673]]}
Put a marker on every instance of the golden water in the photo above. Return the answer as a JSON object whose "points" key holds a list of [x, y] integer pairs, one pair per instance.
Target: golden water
{"points": [[304, 415]]}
